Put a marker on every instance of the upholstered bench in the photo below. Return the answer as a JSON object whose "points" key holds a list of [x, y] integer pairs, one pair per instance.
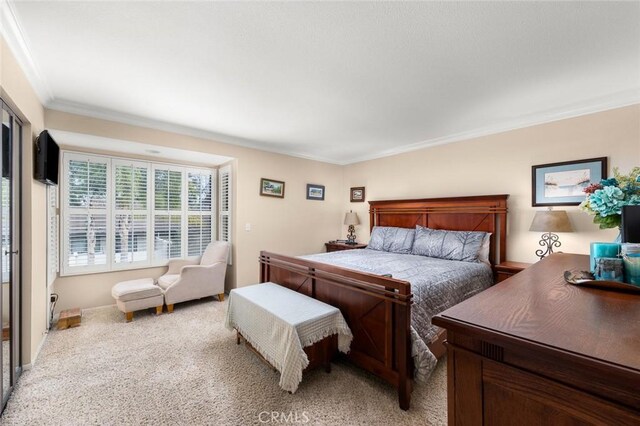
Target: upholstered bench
{"points": [[291, 331], [136, 295]]}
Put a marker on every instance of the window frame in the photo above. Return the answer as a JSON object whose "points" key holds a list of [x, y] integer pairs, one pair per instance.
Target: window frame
{"points": [[211, 213], [66, 211], [112, 162], [154, 212]]}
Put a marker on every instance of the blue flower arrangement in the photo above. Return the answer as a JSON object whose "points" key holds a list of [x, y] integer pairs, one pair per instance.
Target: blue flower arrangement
{"points": [[605, 199]]}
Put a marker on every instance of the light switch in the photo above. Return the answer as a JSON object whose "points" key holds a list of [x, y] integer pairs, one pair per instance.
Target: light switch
{"points": [[247, 227]]}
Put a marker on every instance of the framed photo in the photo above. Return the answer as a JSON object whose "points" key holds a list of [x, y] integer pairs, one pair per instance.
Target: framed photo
{"points": [[315, 192], [563, 184], [357, 194], [271, 188]]}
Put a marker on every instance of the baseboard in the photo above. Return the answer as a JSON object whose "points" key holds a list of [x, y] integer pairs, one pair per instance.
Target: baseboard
{"points": [[57, 316], [98, 307], [27, 367]]}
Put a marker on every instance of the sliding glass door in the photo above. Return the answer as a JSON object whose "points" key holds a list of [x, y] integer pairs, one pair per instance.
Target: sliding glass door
{"points": [[10, 251]]}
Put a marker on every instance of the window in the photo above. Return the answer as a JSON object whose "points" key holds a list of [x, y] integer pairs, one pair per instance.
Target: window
{"points": [[131, 213], [85, 218], [224, 233], [199, 211], [121, 214], [167, 213]]}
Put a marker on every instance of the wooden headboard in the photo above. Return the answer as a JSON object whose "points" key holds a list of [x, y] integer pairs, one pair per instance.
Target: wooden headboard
{"points": [[486, 213]]}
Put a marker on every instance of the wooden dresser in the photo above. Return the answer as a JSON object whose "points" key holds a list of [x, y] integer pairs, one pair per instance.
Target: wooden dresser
{"points": [[533, 350]]}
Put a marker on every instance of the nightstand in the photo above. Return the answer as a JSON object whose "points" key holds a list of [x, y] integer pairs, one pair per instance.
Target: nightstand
{"points": [[335, 246], [508, 269]]}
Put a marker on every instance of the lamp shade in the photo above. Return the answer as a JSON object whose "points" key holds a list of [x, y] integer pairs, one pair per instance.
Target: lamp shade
{"points": [[351, 218], [551, 221]]}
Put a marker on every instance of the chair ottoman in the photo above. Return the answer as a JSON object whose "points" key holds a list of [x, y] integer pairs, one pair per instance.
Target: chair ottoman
{"points": [[136, 295]]}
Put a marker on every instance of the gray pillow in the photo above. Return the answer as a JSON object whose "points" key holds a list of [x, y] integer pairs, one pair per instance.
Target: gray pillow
{"points": [[393, 240], [450, 245]]}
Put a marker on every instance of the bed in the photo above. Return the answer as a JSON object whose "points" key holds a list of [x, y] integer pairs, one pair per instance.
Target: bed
{"points": [[378, 308]]}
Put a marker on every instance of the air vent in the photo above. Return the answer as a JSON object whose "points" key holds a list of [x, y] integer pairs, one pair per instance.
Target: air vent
{"points": [[491, 351]]}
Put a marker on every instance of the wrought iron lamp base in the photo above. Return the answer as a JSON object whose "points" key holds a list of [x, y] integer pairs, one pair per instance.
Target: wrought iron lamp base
{"points": [[548, 241], [351, 236]]}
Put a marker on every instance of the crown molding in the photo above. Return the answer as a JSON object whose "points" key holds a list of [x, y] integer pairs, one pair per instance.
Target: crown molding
{"points": [[618, 100], [14, 36], [93, 143], [134, 120]]}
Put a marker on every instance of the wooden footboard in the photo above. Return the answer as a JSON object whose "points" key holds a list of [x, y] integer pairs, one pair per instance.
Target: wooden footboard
{"points": [[377, 309]]}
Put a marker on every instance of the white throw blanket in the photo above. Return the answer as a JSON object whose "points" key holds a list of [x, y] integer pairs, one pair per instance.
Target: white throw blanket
{"points": [[279, 322]]}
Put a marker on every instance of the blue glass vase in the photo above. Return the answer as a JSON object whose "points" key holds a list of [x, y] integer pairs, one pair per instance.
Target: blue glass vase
{"points": [[619, 237], [602, 250], [631, 257]]}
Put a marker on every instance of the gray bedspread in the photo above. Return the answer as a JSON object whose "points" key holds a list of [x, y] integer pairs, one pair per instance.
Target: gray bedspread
{"points": [[436, 285]]}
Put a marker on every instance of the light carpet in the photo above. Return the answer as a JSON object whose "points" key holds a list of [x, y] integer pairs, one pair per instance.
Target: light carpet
{"points": [[185, 368]]}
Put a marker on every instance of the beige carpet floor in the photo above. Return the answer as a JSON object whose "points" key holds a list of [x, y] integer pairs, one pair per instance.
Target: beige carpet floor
{"points": [[185, 368]]}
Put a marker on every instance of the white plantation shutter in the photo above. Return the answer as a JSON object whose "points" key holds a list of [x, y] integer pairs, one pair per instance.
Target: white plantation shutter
{"points": [[167, 213], [86, 213], [224, 231], [52, 234], [200, 206], [131, 213], [118, 213]]}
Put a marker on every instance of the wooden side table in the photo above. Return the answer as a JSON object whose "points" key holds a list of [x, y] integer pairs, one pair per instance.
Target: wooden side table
{"points": [[508, 269], [338, 246]]}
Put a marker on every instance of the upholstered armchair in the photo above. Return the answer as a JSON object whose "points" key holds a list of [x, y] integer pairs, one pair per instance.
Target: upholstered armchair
{"points": [[194, 279]]}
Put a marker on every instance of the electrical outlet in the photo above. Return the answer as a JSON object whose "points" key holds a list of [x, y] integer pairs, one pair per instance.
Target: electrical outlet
{"points": [[247, 227]]}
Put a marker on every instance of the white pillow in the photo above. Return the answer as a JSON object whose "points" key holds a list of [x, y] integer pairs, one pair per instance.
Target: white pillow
{"points": [[483, 254]]}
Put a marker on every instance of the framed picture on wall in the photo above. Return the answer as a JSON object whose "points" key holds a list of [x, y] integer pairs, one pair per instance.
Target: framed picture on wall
{"points": [[315, 192], [563, 184], [357, 194], [271, 188]]}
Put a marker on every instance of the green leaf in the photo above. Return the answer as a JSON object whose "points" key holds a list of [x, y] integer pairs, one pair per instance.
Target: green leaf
{"points": [[607, 222]]}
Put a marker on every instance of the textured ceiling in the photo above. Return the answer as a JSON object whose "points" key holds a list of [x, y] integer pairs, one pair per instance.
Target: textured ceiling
{"points": [[336, 81]]}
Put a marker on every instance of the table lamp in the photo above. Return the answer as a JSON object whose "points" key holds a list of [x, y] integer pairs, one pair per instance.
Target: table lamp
{"points": [[352, 220], [550, 221]]}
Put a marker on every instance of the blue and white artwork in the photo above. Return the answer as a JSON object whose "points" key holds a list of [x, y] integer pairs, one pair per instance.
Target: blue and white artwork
{"points": [[571, 183], [563, 184]]}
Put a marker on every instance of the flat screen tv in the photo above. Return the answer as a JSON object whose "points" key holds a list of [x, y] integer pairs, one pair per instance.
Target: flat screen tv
{"points": [[47, 157]]}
